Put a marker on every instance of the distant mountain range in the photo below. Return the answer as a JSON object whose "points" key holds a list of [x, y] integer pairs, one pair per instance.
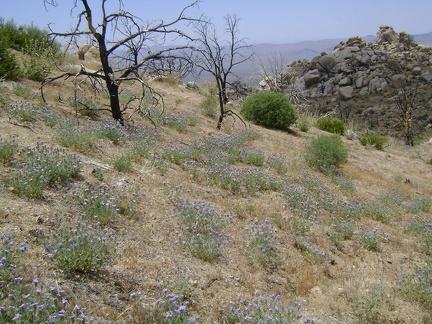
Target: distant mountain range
{"points": [[249, 71]]}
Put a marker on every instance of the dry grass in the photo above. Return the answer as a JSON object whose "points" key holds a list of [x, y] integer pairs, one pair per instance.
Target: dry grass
{"points": [[149, 256]]}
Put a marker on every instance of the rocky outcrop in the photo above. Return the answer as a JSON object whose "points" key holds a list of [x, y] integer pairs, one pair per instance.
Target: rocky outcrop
{"points": [[88, 53], [357, 67]]}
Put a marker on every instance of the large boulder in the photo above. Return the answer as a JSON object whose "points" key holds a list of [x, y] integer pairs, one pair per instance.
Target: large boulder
{"points": [[82, 50], [346, 92], [387, 34], [312, 77]]}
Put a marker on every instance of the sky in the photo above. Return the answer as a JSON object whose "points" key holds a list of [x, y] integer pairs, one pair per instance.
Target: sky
{"points": [[261, 21]]}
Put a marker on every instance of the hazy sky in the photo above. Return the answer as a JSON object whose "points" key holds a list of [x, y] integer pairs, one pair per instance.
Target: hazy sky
{"points": [[273, 21]]}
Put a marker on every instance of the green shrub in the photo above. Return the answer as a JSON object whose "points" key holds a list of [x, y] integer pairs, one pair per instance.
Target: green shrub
{"points": [[39, 60], [41, 166], [7, 150], [331, 125], [80, 248], [373, 140], [9, 68], [269, 109], [326, 153], [209, 105]]}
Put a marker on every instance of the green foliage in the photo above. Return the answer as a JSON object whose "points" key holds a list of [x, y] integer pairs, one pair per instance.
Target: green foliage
{"points": [[80, 248], [75, 137], [269, 109], [41, 166], [278, 164], [9, 68], [40, 59], [305, 121], [331, 125], [261, 248], [123, 163], [25, 301], [418, 285], [201, 225], [99, 203], [372, 239], [326, 153], [373, 140], [366, 305], [7, 149], [209, 105], [23, 90], [17, 37], [23, 112]]}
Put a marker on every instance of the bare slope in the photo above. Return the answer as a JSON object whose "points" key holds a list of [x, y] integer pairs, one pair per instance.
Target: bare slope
{"points": [[336, 279]]}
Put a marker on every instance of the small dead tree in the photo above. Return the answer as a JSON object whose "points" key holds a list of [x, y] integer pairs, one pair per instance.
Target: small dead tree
{"points": [[219, 59], [274, 74], [407, 102], [125, 48]]}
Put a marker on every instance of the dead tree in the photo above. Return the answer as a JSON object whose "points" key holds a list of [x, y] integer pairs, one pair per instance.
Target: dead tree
{"points": [[274, 74], [219, 58], [407, 102], [124, 42]]}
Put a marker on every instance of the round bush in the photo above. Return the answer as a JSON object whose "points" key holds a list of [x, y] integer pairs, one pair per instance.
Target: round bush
{"points": [[269, 109], [331, 125], [326, 153]]}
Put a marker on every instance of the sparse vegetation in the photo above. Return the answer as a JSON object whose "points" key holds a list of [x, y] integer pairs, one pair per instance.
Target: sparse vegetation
{"points": [[164, 220]]}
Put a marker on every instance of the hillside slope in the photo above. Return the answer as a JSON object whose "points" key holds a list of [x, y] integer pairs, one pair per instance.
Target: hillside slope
{"points": [[338, 247]]}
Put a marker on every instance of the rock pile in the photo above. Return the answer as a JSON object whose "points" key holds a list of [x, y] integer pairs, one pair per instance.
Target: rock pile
{"points": [[357, 67]]}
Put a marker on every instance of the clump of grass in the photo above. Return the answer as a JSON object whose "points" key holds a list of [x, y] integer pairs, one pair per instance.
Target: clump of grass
{"points": [[24, 300], [86, 106], [366, 306], [8, 256], [371, 240], [209, 106], [23, 112], [253, 157], [417, 285], [331, 125], [326, 153], [384, 206], [309, 250], [110, 130], [344, 183], [374, 140], [261, 248], [201, 225], [264, 310], [423, 204], [99, 203], [81, 248], [41, 166], [123, 163], [23, 90], [305, 121], [8, 149], [340, 230], [169, 308], [422, 227], [278, 164], [75, 137], [177, 122], [28, 302]]}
